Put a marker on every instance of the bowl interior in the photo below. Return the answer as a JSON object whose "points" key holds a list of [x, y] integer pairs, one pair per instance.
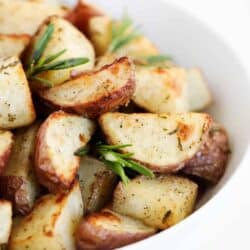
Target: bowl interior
{"points": [[193, 44]]}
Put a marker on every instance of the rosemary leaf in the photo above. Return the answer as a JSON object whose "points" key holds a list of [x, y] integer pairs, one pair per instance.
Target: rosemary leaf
{"points": [[55, 56], [140, 169], [44, 82], [158, 59], [82, 151]]}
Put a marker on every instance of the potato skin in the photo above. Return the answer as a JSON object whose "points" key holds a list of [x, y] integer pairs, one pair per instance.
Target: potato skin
{"points": [[211, 160], [90, 236], [107, 102]]}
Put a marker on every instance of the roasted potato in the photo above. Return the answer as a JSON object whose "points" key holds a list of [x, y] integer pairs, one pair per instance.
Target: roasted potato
{"points": [[97, 183], [161, 90], [211, 160], [65, 37], [24, 17], [57, 140], [169, 140], [6, 142], [94, 93], [199, 94], [159, 202], [13, 45], [6, 221], [17, 108], [18, 183], [108, 230], [51, 224]]}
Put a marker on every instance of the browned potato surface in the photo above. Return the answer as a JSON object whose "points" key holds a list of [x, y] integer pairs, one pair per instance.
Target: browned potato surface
{"points": [[163, 142], [18, 183], [108, 230], [6, 142], [159, 202], [94, 93], [17, 108], [6, 221], [211, 160], [51, 224], [97, 183], [57, 140]]}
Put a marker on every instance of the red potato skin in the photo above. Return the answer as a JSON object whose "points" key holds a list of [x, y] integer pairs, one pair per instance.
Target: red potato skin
{"points": [[44, 170], [167, 169], [104, 104], [91, 237], [4, 157]]}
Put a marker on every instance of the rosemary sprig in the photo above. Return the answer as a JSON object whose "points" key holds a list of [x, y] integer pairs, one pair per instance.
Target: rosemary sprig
{"points": [[123, 32], [116, 161], [156, 60], [38, 64]]}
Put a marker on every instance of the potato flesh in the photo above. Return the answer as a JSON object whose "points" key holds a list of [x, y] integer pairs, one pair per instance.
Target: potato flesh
{"points": [[160, 202], [16, 104], [6, 221], [51, 224], [161, 90], [97, 183], [168, 139]]}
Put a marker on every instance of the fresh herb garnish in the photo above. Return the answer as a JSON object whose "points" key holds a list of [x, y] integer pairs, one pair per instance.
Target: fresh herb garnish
{"points": [[38, 64], [123, 32], [117, 162], [156, 60], [82, 151]]}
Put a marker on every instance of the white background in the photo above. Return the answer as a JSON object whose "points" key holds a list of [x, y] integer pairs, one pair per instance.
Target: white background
{"points": [[230, 18]]}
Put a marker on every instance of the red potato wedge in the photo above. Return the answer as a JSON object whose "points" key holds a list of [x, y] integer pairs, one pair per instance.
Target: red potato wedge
{"points": [[18, 17], [211, 160], [18, 182], [57, 140], [159, 202], [163, 142], [6, 221], [13, 45], [51, 224], [109, 230], [17, 109], [94, 93], [6, 142], [65, 37]]}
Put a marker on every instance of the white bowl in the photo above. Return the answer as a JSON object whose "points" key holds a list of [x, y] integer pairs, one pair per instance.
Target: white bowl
{"points": [[191, 44]]}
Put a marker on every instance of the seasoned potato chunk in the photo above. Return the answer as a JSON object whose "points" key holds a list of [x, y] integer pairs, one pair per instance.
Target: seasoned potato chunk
{"points": [[65, 37], [6, 142], [24, 17], [161, 90], [210, 161], [6, 221], [97, 183], [109, 230], [159, 202], [94, 93], [18, 183], [57, 140], [17, 108], [51, 224], [13, 45], [169, 140], [199, 94]]}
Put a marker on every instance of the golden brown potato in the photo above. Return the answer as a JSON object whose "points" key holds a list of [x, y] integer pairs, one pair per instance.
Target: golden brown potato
{"points": [[211, 160], [108, 230], [97, 183], [159, 202], [12, 44], [18, 183], [65, 37], [94, 93], [6, 221], [199, 94], [51, 224], [57, 140], [6, 142], [17, 108], [169, 140], [24, 17], [161, 90]]}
